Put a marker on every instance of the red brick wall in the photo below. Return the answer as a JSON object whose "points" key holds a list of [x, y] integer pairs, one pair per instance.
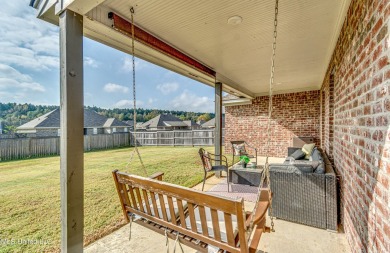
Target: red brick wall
{"points": [[294, 114], [327, 115], [361, 138]]}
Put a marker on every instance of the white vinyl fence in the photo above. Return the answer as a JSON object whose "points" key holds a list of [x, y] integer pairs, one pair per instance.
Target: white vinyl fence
{"points": [[174, 138]]}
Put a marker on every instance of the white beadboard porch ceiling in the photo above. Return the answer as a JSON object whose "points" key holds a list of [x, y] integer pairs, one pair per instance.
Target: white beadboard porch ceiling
{"points": [[307, 33]]}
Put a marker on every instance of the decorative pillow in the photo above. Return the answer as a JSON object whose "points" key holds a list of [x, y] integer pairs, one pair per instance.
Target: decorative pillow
{"points": [[207, 161], [307, 149], [316, 155], [304, 168], [300, 168], [239, 149], [313, 164], [298, 154], [320, 168]]}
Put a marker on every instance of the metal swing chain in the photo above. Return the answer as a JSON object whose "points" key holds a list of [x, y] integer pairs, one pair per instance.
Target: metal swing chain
{"points": [[266, 175], [134, 97], [177, 241]]}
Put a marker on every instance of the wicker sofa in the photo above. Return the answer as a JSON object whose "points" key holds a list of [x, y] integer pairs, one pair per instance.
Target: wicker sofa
{"points": [[304, 197]]}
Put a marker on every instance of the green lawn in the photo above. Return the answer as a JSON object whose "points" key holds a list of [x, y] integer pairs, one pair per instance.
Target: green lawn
{"points": [[30, 193]]}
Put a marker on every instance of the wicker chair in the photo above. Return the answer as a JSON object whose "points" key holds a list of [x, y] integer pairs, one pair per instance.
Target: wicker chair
{"points": [[207, 159], [306, 198], [237, 152]]}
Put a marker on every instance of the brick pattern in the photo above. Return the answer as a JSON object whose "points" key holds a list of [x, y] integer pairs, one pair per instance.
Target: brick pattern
{"points": [[294, 114], [361, 107]]}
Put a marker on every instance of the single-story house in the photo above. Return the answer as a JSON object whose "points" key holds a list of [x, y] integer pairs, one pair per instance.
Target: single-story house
{"points": [[192, 124], [164, 122], [49, 125], [211, 123], [130, 123]]}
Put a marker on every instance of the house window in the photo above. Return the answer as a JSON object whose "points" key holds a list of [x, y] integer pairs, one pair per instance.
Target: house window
{"points": [[59, 132], [85, 131], [114, 129], [95, 130], [125, 129]]}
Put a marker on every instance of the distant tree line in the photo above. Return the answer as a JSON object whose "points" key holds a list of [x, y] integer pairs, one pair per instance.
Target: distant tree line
{"points": [[13, 115]]}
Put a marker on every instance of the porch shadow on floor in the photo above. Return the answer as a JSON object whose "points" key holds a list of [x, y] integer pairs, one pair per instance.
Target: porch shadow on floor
{"points": [[288, 237]]}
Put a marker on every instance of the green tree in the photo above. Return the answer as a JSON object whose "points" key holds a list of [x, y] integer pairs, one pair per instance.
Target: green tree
{"points": [[205, 117], [151, 115], [10, 129]]}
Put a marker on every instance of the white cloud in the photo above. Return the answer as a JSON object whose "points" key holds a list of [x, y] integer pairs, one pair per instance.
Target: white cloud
{"points": [[26, 41], [127, 65], [188, 101], [112, 87], [89, 61], [12, 96], [126, 104], [167, 88], [13, 80], [151, 101], [11, 73]]}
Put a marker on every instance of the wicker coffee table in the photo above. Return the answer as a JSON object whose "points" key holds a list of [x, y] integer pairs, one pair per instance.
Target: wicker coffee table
{"points": [[247, 176]]}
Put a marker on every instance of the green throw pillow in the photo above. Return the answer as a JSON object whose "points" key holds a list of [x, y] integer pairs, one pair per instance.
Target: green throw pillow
{"points": [[307, 149]]}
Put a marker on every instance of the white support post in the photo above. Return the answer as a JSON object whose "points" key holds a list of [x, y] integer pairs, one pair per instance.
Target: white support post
{"points": [[218, 122], [72, 131]]}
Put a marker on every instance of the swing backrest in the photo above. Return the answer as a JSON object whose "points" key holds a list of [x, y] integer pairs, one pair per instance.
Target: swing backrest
{"points": [[213, 220]]}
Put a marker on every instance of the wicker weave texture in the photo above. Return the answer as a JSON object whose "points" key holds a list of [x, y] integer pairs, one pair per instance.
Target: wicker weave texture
{"points": [[299, 198], [331, 201], [306, 198]]}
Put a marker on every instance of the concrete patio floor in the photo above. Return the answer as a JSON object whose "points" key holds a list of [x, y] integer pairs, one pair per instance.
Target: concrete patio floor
{"points": [[288, 237]]}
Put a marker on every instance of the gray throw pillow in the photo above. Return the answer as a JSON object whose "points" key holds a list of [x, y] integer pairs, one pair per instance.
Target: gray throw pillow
{"points": [[298, 154], [303, 168], [320, 168], [316, 155], [303, 163]]}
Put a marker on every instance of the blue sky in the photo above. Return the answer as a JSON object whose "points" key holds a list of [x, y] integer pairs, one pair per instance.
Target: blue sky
{"points": [[29, 70]]}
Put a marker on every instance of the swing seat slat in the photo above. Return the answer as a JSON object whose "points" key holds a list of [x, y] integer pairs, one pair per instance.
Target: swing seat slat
{"points": [[201, 219]]}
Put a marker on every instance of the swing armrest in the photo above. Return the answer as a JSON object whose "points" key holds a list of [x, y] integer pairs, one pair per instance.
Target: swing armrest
{"points": [[157, 176], [259, 215], [261, 209]]}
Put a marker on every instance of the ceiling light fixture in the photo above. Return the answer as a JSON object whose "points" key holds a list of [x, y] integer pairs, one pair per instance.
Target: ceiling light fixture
{"points": [[234, 20]]}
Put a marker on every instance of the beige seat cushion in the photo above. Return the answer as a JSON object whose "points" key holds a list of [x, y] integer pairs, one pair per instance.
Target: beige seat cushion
{"points": [[221, 222]]}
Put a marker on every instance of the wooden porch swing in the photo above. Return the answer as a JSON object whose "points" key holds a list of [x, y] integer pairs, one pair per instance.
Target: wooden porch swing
{"points": [[196, 219]]}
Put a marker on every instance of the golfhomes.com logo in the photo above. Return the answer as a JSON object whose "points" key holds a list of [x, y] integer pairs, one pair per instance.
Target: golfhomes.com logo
{"points": [[23, 241]]}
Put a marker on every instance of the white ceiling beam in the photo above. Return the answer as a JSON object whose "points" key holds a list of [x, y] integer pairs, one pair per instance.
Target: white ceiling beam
{"points": [[238, 101], [79, 6], [234, 88]]}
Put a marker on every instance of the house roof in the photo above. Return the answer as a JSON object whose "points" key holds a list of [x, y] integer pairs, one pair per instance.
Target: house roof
{"points": [[91, 119], [211, 122], [175, 123], [130, 122], [113, 122], [49, 117], [190, 123], [163, 120]]}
